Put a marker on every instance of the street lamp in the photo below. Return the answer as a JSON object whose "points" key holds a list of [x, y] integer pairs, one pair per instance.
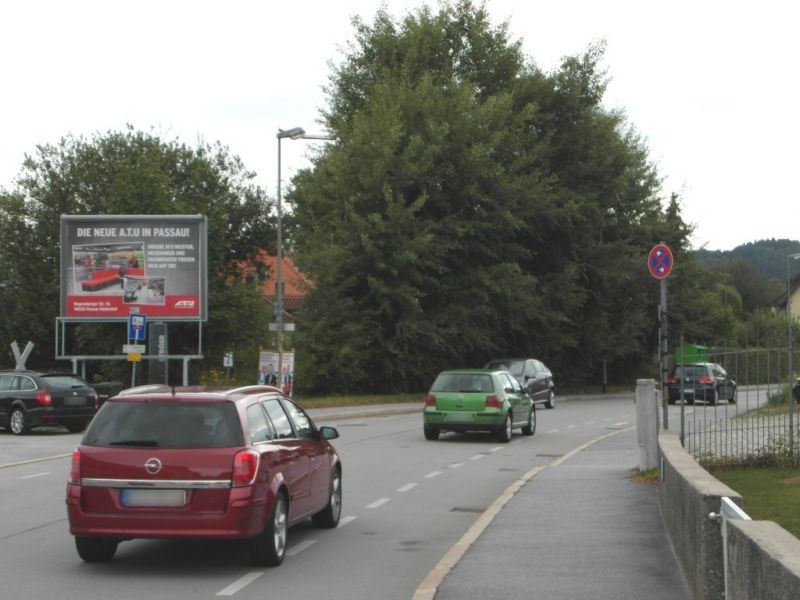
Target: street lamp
{"points": [[295, 133], [789, 260]]}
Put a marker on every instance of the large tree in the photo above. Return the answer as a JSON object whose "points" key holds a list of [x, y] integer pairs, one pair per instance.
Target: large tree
{"points": [[130, 172], [472, 206]]}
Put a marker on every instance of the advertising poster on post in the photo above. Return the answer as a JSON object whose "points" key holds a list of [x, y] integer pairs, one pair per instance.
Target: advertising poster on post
{"points": [[115, 265], [268, 370]]}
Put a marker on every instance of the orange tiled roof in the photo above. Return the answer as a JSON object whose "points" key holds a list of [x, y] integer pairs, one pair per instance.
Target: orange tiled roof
{"points": [[295, 284]]}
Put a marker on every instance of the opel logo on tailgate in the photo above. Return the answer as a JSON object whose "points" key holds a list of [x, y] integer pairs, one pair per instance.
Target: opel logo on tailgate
{"points": [[152, 466]]}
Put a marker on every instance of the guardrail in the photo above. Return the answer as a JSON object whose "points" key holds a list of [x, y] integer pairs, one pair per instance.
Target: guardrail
{"points": [[727, 511]]}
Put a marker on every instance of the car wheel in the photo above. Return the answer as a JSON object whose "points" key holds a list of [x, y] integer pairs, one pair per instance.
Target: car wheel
{"points": [[530, 428], [18, 422], [551, 400], [431, 432], [732, 399], [75, 427], [269, 548], [328, 517], [504, 431], [96, 549]]}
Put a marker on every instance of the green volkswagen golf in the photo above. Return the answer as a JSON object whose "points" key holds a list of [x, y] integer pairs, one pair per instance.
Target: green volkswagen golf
{"points": [[478, 400]]}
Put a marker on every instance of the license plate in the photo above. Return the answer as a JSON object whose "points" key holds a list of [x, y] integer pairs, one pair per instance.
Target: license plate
{"points": [[75, 401], [459, 417], [128, 497]]}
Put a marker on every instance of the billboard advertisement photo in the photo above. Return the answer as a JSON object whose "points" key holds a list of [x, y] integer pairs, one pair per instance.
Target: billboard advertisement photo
{"points": [[115, 265]]}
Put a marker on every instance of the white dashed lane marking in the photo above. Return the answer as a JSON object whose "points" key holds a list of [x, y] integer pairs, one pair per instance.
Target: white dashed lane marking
{"points": [[477, 457], [456, 465], [344, 521], [378, 503], [240, 583], [407, 487], [433, 474], [34, 475], [304, 545]]}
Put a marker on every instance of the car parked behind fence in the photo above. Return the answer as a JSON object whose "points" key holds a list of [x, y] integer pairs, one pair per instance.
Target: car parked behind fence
{"points": [[706, 382]]}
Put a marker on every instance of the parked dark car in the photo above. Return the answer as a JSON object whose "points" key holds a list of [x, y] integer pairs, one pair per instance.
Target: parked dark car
{"points": [[706, 382], [796, 390], [534, 376], [246, 463], [31, 399]]}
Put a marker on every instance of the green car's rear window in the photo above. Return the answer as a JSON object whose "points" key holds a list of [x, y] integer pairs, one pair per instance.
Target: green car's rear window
{"points": [[463, 382]]}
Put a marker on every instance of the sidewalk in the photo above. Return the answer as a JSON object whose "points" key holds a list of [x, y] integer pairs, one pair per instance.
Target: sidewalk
{"points": [[578, 530]]}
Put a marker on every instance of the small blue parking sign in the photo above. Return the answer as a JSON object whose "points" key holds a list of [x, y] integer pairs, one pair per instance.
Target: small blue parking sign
{"points": [[137, 326]]}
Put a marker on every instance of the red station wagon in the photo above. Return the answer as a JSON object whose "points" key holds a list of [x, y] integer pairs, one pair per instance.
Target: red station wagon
{"points": [[247, 463]]}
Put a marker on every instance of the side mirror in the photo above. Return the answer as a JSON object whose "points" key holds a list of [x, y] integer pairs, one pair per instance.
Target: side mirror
{"points": [[328, 433]]}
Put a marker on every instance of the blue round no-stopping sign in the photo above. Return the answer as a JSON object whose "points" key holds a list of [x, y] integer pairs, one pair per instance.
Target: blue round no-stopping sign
{"points": [[660, 261]]}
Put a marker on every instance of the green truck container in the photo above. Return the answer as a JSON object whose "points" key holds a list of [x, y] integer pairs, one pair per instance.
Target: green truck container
{"points": [[692, 353]]}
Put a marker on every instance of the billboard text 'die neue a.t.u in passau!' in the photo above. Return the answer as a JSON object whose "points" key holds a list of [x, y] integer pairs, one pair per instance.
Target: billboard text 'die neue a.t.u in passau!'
{"points": [[112, 266]]}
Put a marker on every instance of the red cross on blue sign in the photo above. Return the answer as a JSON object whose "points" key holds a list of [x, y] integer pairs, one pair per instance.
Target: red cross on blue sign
{"points": [[660, 261]]}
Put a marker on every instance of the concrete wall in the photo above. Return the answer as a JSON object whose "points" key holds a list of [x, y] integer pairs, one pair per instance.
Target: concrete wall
{"points": [[763, 558], [687, 494], [763, 561]]}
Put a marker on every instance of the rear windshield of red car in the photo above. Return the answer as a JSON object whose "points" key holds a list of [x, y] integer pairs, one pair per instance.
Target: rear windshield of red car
{"points": [[165, 425], [463, 382]]}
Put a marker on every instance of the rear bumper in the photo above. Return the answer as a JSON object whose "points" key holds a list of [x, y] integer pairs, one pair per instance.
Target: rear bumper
{"points": [[244, 517], [691, 393], [464, 421]]}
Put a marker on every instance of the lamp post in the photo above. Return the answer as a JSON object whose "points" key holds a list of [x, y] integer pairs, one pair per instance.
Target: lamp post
{"points": [[789, 260], [295, 133]]}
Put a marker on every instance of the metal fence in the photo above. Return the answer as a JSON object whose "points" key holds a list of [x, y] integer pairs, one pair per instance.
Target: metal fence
{"points": [[745, 432]]}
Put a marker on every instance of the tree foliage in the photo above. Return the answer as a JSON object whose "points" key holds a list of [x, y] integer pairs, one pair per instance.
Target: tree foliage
{"points": [[129, 173], [473, 206]]}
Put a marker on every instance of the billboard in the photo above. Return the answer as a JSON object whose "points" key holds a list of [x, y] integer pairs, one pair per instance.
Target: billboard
{"points": [[115, 265]]}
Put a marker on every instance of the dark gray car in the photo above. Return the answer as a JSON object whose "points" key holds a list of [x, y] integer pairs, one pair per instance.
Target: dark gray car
{"points": [[32, 399], [534, 376]]}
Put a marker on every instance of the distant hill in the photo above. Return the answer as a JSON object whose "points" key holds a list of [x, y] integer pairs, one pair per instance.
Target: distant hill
{"points": [[767, 256]]}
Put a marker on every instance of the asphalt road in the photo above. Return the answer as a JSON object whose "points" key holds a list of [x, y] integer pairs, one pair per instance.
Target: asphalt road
{"points": [[406, 502]]}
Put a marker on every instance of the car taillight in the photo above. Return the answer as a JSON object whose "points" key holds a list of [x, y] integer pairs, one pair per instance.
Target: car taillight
{"points": [[705, 380], [44, 398], [672, 379], [430, 401], [75, 469], [95, 399], [493, 402], [245, 467]]}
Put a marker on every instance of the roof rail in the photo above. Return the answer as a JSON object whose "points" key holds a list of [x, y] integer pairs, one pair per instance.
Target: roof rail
{"points": [[252, 389], [146, 389]]}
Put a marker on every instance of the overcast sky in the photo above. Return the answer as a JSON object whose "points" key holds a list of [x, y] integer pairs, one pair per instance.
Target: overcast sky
{"points": [[712, 86]]}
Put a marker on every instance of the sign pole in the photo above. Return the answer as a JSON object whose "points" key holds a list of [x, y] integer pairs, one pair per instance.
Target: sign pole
{"points": [[660, 263], [664, 352]]}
